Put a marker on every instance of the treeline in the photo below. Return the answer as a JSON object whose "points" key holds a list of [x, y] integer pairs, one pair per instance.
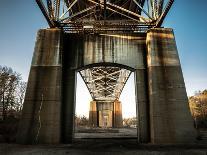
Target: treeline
{"points": [[83, 121], [130, 122], [12, 91], [198, 107]]}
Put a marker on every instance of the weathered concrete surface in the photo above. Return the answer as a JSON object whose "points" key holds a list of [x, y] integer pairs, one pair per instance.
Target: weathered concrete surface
{"points": [[93, 119], [170, 118], [40, 122], [107, 147], [118, 122], [69, 88], [142, 102], [162, 106], [105, 114], [126, 49]]}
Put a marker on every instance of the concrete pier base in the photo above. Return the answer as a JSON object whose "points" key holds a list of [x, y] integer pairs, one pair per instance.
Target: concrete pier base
{"points": [[118, 121], [41, 116], [105, 114], [142, 102], [93, 118], [170, 118]]}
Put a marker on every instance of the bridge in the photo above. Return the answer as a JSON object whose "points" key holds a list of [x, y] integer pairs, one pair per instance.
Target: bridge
{"points": [[101, 16], [105, 41], [104, 15]]}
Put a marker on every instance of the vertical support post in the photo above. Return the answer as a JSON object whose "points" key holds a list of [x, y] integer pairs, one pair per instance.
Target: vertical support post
{"points": [[170, 118], [142, 105], [68, 107], [40, 121], [93, 119], [117, 114], [71, 58]]}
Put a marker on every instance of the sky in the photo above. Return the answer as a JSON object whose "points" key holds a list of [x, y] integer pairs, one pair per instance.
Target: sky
{"points": [[21, 19]]}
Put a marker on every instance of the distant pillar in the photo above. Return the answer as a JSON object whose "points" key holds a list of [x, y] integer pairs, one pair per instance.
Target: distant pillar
{"points": [[93, 119], [105, 114], [170, 118], [117, 114], [41, 120]]}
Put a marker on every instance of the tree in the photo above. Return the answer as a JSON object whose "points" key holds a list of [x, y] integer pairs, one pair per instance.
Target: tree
{"points": [[130, 122], [12, 91], [81, 121], [198, 107], [20, 94]]}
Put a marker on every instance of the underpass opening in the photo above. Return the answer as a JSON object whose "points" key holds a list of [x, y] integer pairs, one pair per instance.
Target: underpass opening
{"points": [[105, 102]]}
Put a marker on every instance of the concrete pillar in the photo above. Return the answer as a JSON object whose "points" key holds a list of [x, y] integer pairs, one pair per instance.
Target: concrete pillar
{"points": [[117, 114], [170, 118], [142, 105], [40, 121], [72, 48], [68, 104], [105, 118], [93, 119]]}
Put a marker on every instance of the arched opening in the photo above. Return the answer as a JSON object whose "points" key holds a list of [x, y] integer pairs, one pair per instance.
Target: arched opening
{"points": [[105, 102]]}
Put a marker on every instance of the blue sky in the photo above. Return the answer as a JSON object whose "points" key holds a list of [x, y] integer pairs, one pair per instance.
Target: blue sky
{"points": [[20, 20]]}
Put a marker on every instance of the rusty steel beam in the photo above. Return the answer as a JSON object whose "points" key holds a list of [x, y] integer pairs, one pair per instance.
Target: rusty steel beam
{"points": [[107, 11], [45, 13], [105, 82], [164, 13]]}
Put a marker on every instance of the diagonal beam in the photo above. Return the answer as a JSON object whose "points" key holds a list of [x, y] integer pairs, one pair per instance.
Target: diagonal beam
{"points": [[70, 6], [127, 11], [45, 13], [78, 13], [142, 9], [160, 7], [164, 14], [49, 6], [108, 8], [104, 76]]}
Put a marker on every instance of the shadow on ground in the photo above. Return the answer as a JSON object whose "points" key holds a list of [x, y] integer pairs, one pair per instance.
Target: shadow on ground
{"points": [[104, 147]]}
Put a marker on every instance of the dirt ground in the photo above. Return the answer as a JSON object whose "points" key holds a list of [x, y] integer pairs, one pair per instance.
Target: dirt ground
{"points": [[106, 133], [104, 142], [103, 147]]}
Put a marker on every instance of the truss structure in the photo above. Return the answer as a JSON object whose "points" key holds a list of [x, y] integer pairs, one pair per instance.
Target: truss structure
{"points": [[105, 83], [105, 15]]}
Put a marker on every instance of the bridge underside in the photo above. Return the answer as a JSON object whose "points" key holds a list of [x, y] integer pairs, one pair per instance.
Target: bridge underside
{"points": [[162, 104], [105, 83]]}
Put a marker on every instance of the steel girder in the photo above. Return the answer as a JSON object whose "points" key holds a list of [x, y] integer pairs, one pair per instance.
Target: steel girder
{"points": [[104, 15], [105, 83]]}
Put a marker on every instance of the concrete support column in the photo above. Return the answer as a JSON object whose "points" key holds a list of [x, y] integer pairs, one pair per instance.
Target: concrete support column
{"points": [[170, 118], [117, 114], [72, 43], [68, 104], [93, 119], [40, 122], [142, 105]]}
